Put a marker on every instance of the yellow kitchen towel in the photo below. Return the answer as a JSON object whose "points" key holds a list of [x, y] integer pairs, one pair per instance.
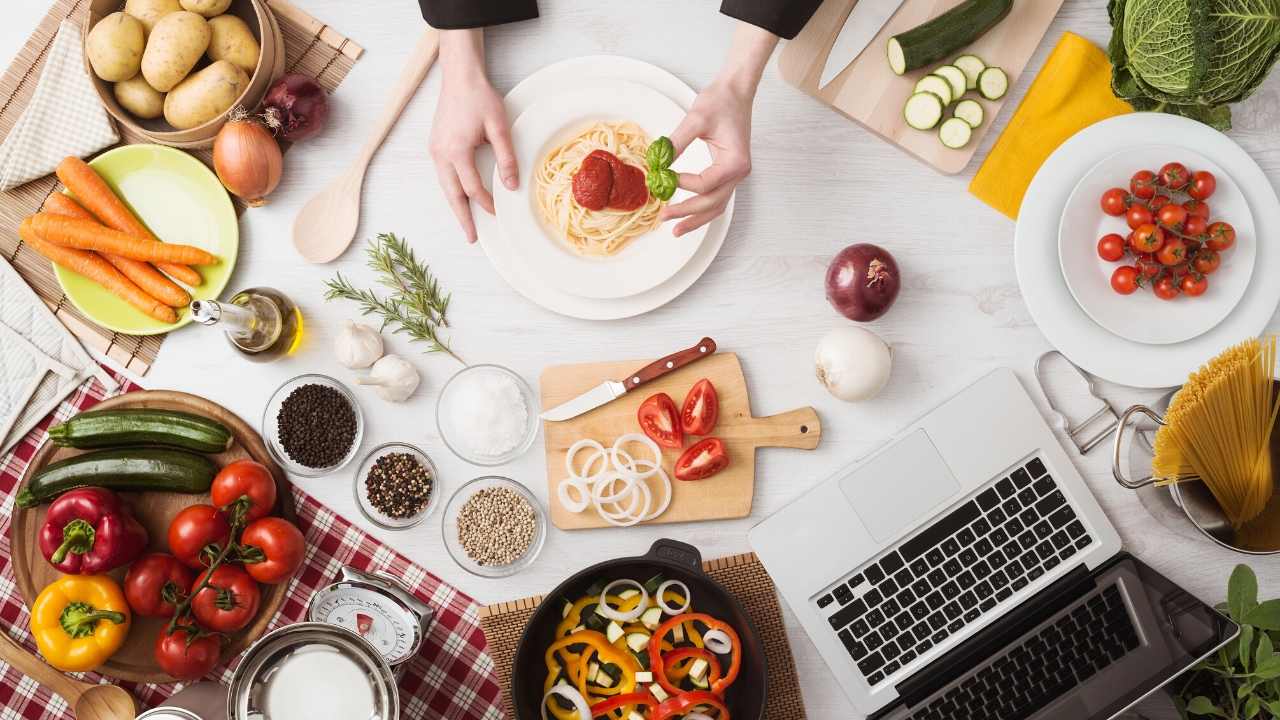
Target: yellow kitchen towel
{"points": [[1072, 92]]}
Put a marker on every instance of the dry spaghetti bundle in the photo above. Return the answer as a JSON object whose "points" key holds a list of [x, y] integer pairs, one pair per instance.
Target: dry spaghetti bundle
{"points": [[1218, 429]]}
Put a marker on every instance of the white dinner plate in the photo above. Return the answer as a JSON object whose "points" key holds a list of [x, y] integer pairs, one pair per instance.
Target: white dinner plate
{"points": [[645, 262], [549, 80], [1143, 317], [1045, 291]]}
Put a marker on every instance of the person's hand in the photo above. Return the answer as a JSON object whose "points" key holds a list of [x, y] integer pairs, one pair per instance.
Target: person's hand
{"points": [[469, 114]]}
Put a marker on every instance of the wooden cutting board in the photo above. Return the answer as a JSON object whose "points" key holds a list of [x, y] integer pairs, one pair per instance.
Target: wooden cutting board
{"points": [[870, 93], [727, 494], [135, 660]]}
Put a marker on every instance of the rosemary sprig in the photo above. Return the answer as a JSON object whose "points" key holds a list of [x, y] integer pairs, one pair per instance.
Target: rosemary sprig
{"points": [[415, 306]]}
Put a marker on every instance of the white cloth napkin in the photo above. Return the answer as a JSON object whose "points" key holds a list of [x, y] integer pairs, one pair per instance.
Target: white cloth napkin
{"points": [[65, 116]]}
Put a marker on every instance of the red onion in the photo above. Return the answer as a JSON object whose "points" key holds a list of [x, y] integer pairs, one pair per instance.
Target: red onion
{"points": [[296, 106], [862, 282]]}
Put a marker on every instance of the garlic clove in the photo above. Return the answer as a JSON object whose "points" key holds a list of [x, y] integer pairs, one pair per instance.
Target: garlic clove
{"points": [[393, 377], [357, 345]]}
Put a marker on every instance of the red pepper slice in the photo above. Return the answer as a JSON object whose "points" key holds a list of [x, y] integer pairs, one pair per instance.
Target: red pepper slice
{"points": [[605, 707], [684, 702], [655, 651], [681, 653]]}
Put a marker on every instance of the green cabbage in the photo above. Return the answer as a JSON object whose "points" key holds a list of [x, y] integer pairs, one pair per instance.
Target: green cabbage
{"points": [[1192, 57]]}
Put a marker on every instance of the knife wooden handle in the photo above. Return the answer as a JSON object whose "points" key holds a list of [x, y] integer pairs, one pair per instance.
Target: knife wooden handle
{"points": [[676, 360]]}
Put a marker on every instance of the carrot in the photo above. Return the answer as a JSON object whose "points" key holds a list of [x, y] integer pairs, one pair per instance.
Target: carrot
{"points": [[99, 199], [86, 235], [145, 276], [93, 267]]}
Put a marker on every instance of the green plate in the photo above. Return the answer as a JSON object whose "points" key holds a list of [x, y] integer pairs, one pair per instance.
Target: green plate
{"points": [[181, 200]]}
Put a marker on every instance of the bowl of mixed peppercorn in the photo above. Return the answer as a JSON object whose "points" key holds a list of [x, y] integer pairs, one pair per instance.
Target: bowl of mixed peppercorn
{"points": [[396, 486], [313, 425]]}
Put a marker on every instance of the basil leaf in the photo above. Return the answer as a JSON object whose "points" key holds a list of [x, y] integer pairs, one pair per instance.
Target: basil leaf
{"points": [[661, 154], [662, 183]]}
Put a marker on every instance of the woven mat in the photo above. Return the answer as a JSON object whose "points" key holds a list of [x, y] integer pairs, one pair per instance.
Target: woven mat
{"points": [[742, 575], [311, 47]]}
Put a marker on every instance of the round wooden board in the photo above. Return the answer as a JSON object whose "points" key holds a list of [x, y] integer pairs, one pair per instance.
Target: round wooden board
{"points": [[135, 661]]}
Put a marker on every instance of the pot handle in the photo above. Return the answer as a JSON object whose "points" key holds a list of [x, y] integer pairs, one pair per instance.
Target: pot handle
{"points": [[676, 552], [1116, 472]]}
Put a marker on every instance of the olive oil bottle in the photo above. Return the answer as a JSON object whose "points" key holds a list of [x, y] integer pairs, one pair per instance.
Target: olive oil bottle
{"points": [[262, 323]]}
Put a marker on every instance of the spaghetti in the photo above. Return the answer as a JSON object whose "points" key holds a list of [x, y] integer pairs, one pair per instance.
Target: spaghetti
{"points": [[593, 233]]}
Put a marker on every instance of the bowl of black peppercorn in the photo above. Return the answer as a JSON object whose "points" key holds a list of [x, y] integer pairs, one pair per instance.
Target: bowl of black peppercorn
{"points": [[396, 486], [313, 425]]}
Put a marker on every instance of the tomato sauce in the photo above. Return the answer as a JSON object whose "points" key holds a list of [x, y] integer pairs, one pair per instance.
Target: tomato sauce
{"points": [[603, 181]]}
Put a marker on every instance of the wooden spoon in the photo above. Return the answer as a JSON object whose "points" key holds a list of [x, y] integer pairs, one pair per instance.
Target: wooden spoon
{"points": [[90, 702], [326, 225]]}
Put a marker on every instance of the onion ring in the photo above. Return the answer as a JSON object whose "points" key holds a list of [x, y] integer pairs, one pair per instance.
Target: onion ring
{"points": [[569, 693], [717, 641], [643, 440], [688, 599], [606, 483], [666, 503], [631, 614], [697, 716], [600, 453], [630, 516], [584, 494]]}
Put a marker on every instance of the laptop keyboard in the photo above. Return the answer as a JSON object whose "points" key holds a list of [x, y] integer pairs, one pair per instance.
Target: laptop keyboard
{"points": [[1042, 667], [954, 572]]}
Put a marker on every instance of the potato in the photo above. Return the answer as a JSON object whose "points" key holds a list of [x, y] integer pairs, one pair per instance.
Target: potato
{"points": [[139, 98], [231, 40], [114, 47], [149, 12], [176, 44], [207, 8], [205, 95]]}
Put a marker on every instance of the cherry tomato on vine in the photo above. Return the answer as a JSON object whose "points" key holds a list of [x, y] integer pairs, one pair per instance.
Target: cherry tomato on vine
{"points": [[1111, 247], [1124, 280], [1172, 216], [1206, 261], [1173, 252], [1221, 236], [1115, 201], [1197, 208], [1166, 288], [1174, 175], [1148, 267], [1147, 238], [1137, 216], [1195, 226], [1143, 184], [1193, 286], [1203, 183], [1158, 202]]}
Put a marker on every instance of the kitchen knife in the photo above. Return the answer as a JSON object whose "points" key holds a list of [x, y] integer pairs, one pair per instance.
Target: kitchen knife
{"points": [[610, 390], [863, 24]]}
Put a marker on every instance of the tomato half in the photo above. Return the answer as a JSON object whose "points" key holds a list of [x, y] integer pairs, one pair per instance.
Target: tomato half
{"points": [[1203, 184], [156, 583], [1115, 201], [660, 420], [703, 460], [271, 549], [1166, 288], [701, 408], [196, 534], [1111, 247], [228, 602], [1124, 280], [1193, 286], [186, 656], [1174, 175], [248, 483], [1221, 236], [1137, 216]]}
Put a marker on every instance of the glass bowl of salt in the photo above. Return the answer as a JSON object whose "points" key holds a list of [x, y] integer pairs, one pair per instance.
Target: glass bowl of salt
{"points": [[487, 415]]}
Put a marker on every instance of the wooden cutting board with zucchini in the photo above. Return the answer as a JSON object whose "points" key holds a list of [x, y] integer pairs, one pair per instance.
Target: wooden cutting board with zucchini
{"points": [[160, 450], [934, 78]]}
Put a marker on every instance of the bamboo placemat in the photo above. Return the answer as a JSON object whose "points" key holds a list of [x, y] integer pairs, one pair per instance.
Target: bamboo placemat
{"points": [[311, 47], [742, 575]]}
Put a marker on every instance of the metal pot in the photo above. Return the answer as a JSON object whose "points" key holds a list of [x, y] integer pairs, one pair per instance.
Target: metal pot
{"points": [[675, 561]]}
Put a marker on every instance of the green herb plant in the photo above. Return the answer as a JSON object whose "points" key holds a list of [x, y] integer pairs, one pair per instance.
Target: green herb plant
{"points": [[1243, 679], [661, 179], [415, 305]]}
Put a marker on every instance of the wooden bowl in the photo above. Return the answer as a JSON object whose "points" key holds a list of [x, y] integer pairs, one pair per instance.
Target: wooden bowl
{"points": [[135, 661], [262, 23]]}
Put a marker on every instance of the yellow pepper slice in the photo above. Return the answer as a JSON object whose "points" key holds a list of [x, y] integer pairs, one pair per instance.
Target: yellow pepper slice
{"points": [[79, 621]]}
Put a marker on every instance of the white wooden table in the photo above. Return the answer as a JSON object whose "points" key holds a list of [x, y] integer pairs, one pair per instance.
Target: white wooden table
{"points": [[820, 182]]}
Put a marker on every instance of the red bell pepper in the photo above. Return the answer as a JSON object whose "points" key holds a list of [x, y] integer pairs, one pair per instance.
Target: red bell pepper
{"points": [[685, 702], [656, 661], [605, 707], [90, 531], [682, 653]]}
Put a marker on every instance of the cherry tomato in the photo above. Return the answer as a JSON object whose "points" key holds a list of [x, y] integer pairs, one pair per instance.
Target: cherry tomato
{"points": [[1206, 261], [248, 483], [1158, 202], [1147, 266], [1172, 216], [1174, 175], [185, 655], [660, 420], [1147, 239], [1124, 280], [228, 602], [156, 583], [1221, 236], [701, 408], [197, 533], [1143, 184], [1138, 216], [1197, 208], [278, 543], [1193, 286], [1115, 201], [1166, 288], [1173, 252], [1203, 183], [1111, 247], [1195, 226], [704, 459]]}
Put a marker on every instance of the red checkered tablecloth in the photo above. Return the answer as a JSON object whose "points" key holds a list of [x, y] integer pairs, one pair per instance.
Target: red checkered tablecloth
{"points": [[451, 678]]}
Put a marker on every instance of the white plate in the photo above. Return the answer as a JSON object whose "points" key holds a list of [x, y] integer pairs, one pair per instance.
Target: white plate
{"points": [[547, 81], [1049, 300], [647, 261], [1143, 317]]}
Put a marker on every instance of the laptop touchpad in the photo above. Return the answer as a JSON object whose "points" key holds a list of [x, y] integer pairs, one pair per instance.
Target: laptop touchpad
{"points": [[899, 486]]}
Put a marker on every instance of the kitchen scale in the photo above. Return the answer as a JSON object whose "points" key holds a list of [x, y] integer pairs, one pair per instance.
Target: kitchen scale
{"points": [[378, 608]]}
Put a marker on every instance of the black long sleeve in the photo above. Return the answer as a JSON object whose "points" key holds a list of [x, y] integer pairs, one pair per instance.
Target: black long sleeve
{"points": [[459, 14], [783, 18]]}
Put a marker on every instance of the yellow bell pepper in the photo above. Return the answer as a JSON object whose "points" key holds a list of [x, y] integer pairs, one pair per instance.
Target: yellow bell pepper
{"points": [[79, 621]]}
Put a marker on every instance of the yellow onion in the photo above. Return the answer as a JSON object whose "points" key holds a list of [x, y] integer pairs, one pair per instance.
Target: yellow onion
{"points": [[247, 158]]}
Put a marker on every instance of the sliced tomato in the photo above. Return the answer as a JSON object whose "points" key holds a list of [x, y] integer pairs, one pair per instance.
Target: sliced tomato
{"points": [[708, 457], [660, 420], [701, 408]]}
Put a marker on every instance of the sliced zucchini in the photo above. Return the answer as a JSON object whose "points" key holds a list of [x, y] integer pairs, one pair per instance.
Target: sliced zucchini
{"points": [[698, 669], [652, 618], [955, 133], [604, 681], [628, 594], [699, 683], [595, 589], [637, 641], [633, 715], [971, 112], [956, 77], [644, 676], [652, 584], [593, 672], [937, 85], [923, 110], [578, 629], [972, 66], [658, 693], [993, 83], [568, 607], [613, 632], [945, 34], [592, 618], [642, 659], [677, 633]]}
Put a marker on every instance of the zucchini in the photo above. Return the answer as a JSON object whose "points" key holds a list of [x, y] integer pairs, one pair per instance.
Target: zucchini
{"points": [[971, 112], [955, 133], [613, 632], [993, 83], [937, 85], [955, 77], [637, 641], [592, 619], [972, 66], [652, 618], [568, 608], [923, 110], [945, 34], [628, 594], [658, 693], [652, 584], [644, 676], [122, 469], [119, 428], [593, 672]]}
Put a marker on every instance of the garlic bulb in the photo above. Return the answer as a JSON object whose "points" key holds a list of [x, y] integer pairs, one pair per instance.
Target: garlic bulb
{"points": [[357, 345], [394, 378]]}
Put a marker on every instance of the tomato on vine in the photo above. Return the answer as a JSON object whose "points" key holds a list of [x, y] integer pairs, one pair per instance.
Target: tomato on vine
{"points": [[1124, 280], [1193, 286], [1221, 236], [1203, 184], [1195, 226], [1197, 208], [1158, 202], [1137, 216], [1172, 216], [1166, 288], [1115, 201], [1111, 247], [1143, 184], [1146, 238], [1173, 252], [1206, 261], [1174, 175]]}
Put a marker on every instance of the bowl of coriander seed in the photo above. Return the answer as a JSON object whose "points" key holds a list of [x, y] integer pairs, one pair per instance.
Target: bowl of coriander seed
{"points": [[396, 486]]}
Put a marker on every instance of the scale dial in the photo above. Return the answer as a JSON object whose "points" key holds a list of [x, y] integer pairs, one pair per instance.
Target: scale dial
{"points": [[390, 627]]}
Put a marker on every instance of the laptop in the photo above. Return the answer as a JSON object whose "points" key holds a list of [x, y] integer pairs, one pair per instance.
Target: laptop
{"points": [[965, 570]]}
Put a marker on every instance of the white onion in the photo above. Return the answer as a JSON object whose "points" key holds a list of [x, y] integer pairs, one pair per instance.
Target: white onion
{"points": [[568, 693], [635, 512], [666, 503], [662, 601], [603, 485], [600, 454], [853, 363], [718, 642], [635, 437], [631, 614], [584, 494], [697, 716], [623, 506]]}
